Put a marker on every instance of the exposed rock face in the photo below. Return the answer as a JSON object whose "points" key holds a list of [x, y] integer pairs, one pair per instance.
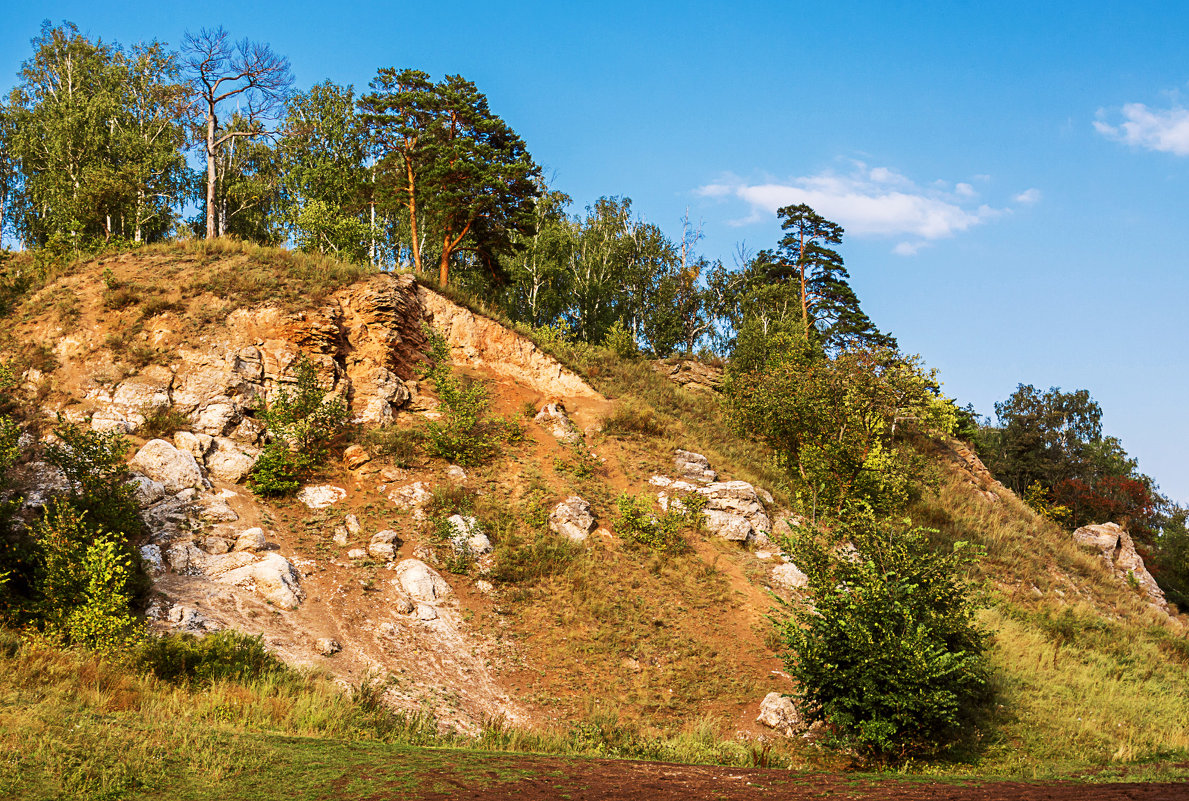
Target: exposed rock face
{"points": [[789, 577], [321, 496], [230, 460], [421, 582], [694, 467], [1117, 549], [272, 576], [780, 714], [690, 374], [251, 539], [733, 510], [553, 417], [410, 496], [572, 519], [480, 342], [383, 545], [175, 470], [467, 537]]}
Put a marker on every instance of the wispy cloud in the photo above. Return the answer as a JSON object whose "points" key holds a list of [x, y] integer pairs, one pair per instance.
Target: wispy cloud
{"points": [[870, 202], [1164, 130], [1028, 197]]}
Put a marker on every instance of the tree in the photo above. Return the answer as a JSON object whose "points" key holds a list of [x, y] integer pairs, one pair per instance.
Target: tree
{"points": [[245, 73], [885, 646], [538, 287], [324, 177]]}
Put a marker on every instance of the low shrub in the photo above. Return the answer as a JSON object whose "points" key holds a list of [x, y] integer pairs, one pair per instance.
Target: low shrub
{"points": [[401, 445], [220, 656], [525, 561], [162, 421], [638, 523], [630, 419]]}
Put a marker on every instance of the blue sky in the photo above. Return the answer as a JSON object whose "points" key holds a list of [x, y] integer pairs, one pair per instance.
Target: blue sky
{"points": [[1012, 176]]}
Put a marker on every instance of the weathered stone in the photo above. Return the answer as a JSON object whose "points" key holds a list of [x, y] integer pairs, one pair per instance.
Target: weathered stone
{"points": [[403, 604], [788, 576], [198, 445], [251, 539], [249, 430], [484, 586], [357, 554], [778, 713], [111, 420], [151, 556], [734, 510], [410, 496], [161, 461], [272, 576], [426, 612], [421, 582], [691, 374], [217, 510], [231, 461], [456, 474], [322, 496], [340, 535], [467, 537], [1115, 546], [185, 559], [145, 491], [572, 519], [694, 467], [355, 457], [216, 419], [215, 545], [383, 545], [554, 418], [351, 522], [328, 647]]}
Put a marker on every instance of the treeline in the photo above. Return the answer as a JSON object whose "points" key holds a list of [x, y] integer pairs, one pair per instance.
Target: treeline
{"points": [[103, 144]]}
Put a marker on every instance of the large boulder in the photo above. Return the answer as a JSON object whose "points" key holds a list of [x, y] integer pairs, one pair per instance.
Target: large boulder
{"points": [[271, 576], [383, 545], [778, 712], [734, 510], [231, 461], [176, 470], [572, 519], [694, 467], [320, 497], [1115, 546], [789, 577], [421, 582]]}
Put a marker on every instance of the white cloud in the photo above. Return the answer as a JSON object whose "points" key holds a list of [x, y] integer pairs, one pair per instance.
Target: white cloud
{"points": [[1028, 197], [1165, 130], [867, 202]]}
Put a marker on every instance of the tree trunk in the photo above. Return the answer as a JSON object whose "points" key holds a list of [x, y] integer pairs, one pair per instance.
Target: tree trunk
{"points": [[412, 185], [210, 176], [444, 264]]}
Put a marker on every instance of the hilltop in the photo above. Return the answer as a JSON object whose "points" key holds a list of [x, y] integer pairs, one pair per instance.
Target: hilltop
{"points": [[550, 618]]}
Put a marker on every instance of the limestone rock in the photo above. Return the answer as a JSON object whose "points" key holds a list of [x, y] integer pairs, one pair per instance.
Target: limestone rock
{"points": [[328, 647], [691, 374], [426, 612], [788, 576], [251, 539], [572, 519], [216, 418], [403, 604], [151, 556], [456, 474], [249, 430], [484, 586], [421, 582], [146, 491], [383, 545], [111, 420], [351, 523], [217, 510], [694, 467], [778, 713], [175, 470], [357, 554], [198, 445], [322, 496], [410, 496], [1115, 546], [185, 559], [355, 457], [231, 461], [215, 545], [734, 510], [467, 537], [272, 576], [340, 535], [554, 418]]}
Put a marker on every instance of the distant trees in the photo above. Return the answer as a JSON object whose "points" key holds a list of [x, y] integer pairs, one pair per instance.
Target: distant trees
{"points": [[221, 72]]}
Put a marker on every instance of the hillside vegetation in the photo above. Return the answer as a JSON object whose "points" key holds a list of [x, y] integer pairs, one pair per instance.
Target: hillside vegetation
{"points": [[603, 649]]}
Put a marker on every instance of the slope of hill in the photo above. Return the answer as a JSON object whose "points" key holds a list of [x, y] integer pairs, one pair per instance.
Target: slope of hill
{"points": [[583, 638]]}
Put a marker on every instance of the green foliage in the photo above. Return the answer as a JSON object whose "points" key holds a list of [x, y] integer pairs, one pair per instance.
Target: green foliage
{"points": [[621, 341], [93, 463], [162, 421], [832, 422], [885, 646], [638, 523], [302, 423], [86, 579], [465, 435], [220, 656]]}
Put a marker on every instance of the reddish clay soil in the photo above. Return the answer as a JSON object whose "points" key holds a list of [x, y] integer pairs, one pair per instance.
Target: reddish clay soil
{"points": [[609, 780]]}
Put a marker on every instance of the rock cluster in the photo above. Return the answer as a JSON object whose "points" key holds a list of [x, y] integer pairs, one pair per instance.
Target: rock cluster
{"points": [[554, 418], [572, 519], [778, 712], [1117, 549], [691, 374]]}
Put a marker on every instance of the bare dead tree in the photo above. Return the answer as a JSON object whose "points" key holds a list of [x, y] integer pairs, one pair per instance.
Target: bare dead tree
{"points": [[248, 73]]}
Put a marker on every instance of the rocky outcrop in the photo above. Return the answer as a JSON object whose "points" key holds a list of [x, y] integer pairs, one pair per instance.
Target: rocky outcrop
{"points": [[572, 519], [553, 418], [733, 509], [1115, 546], [175, 470], [467, 537], [383, 545], [421, 582], [691, 374], [778, 713], [321, 496], [480, 342], [788, 576], [693, 467]]}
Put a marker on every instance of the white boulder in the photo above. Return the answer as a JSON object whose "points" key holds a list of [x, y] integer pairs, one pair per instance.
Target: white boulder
{"points": [[383, 545], [421, 582], [779, 713], [322, 496], [572, 519], [251, 539], [176, 470]]}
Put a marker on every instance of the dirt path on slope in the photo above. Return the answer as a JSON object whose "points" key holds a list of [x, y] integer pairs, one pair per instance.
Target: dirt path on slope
{"points": [[612, 780]]}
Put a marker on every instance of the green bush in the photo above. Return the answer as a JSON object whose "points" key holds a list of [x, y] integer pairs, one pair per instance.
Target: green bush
{"points": [[885, 646], [221, 656], [302, 424], [658, 532], [401, 445], [93, 463], [86, 579]]}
